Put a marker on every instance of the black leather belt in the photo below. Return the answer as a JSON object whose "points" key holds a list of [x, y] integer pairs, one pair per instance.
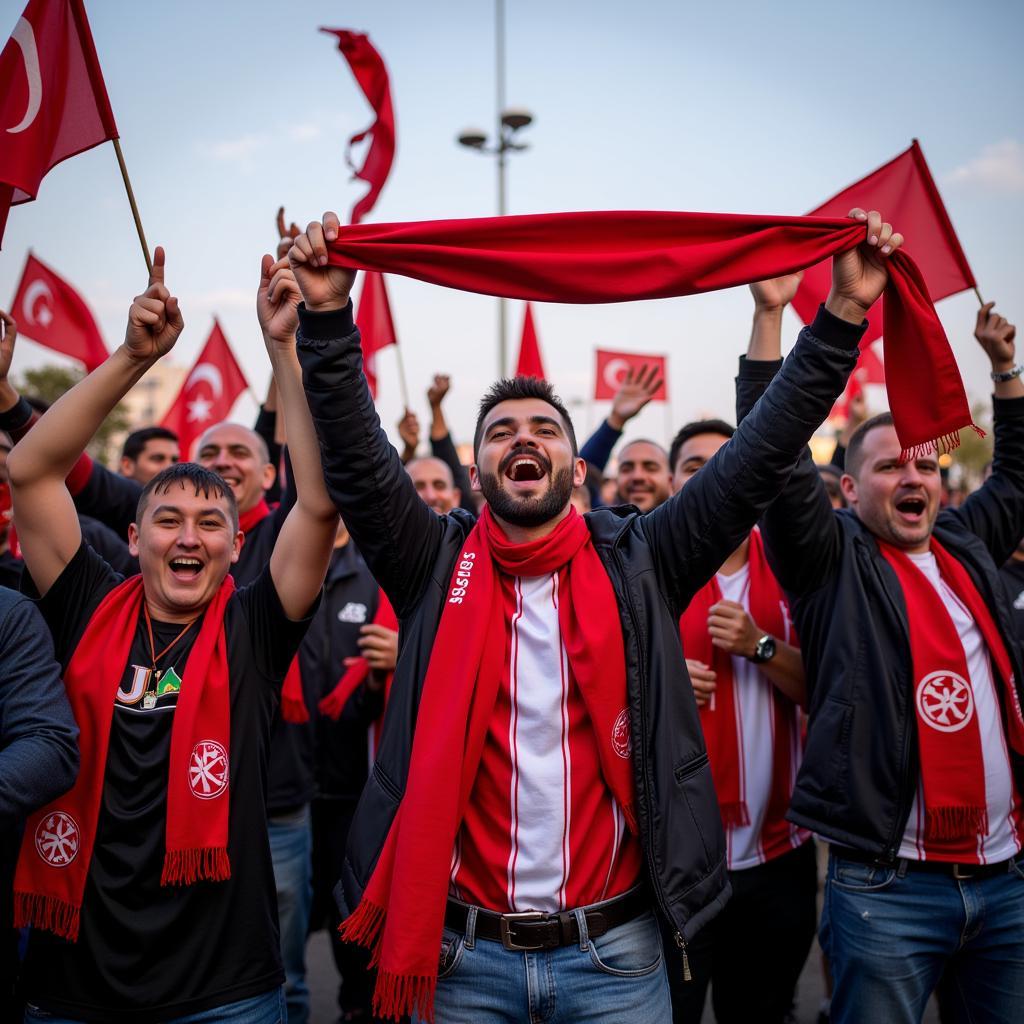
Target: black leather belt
{"points": [[531, 931], [961, 872]]}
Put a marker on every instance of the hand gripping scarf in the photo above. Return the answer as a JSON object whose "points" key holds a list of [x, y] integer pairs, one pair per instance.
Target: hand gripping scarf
{"points": [[616, 256], [948, 737], [57, 847], [401, 914], [718, 720]]}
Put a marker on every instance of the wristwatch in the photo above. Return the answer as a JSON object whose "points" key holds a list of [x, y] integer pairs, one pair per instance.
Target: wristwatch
{"points": [[765, 649]]}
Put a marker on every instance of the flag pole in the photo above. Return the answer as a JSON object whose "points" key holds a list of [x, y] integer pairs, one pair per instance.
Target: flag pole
{"points": [[402, 386], [131, 201], [981, 301]]}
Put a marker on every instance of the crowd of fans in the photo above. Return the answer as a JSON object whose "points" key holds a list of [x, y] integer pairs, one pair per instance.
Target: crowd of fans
{"points": [[531, 742]]}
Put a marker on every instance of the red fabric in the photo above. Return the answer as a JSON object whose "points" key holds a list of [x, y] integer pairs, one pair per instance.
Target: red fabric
{"points": [[402, 911], [718, 717], [48, 893], [371, 74], [612, 368], [619, 255], [948, 737], [253, 516], [53, 314], [905, 192], [376, 326], [869, 370], [529, 363], [334, 702], [209, 392], [53, 103], [80, 473]]}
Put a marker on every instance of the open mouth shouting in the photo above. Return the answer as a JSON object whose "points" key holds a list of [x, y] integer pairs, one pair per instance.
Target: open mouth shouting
{"points": [[911, 509], [525, 469], [185, 568]]}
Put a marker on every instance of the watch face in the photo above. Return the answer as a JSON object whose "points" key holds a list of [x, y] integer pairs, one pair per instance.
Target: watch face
{"points": [[766, 648]]}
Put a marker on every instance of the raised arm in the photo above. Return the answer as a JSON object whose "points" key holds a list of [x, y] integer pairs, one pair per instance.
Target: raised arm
{"points": [[441, 444], [44, 511], [699, 526], [995, 512], [396, 533], [302, 551]]}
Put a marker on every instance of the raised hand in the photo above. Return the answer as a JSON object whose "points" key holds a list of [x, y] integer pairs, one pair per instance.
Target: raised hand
{"points": [[8, 334], [636, 390], [277, 302], [996, 336], [154, 319], [777, 292], [859, 275], [409, 432], [324, 288], [437, 390], [286, 234]]}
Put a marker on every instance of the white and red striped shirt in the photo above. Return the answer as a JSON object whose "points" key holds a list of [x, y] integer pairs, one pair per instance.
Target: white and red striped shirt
{"points": [[542, 830], [767, 836], [1003, 839]]}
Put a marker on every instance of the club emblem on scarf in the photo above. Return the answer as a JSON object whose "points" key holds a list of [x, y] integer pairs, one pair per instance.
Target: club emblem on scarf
{"points": [[945, 701], [208, 770], [622, 739], [57, 839]]}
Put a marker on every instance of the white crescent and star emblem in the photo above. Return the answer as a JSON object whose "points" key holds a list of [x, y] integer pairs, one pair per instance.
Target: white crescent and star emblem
{"points": [[201, 409], [945, 701], [36, 291], [26, 40], [614, 372]]}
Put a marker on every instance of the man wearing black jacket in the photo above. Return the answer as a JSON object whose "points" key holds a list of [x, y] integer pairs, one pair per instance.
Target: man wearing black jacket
{"points": [[912, 768], [589, 950]]}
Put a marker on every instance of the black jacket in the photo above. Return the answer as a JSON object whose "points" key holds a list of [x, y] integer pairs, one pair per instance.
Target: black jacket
{"points": [[655, 562], [860, 766]]}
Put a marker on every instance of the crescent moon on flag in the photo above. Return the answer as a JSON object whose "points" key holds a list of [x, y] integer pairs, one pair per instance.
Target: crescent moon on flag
{"points": [[26, 40], [614, 371], [33, 293], [209, 373]]}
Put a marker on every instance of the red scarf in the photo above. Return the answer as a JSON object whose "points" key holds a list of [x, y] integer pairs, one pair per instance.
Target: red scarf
{"points": [[57, 848], [718, 717], [617, 256], [402, 910], [948, 737], [254, 516]]}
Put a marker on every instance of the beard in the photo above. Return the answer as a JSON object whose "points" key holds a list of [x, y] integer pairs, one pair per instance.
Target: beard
{"points": [[527, 512]]}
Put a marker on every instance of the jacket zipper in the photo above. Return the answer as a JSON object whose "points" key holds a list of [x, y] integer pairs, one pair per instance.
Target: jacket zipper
{"points": [[659, 892]]}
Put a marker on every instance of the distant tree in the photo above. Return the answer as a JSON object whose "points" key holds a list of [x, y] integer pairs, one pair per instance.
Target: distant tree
{"points": [[47, 383]]}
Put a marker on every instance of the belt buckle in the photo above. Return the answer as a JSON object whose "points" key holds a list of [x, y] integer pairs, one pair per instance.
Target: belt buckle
{"points": [[506, 938], [964, 872]]}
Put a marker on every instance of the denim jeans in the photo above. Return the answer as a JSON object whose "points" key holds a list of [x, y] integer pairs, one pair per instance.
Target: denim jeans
{"points": [[889, 935], [265, 1009], [615, 978], [291, 849]]}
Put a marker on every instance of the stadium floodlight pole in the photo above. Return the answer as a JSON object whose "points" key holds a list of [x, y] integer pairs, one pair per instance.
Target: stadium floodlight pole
{"points": [[510, 121]]}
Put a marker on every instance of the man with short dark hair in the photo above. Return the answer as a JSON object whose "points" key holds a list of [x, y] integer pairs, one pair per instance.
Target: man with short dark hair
{"points": [[147, 451], [914, 762], [644, 474], [434, 483], [149, 886], [542, 784]]}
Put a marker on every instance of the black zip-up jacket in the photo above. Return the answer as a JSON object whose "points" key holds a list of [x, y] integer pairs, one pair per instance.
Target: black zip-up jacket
{"points": [[860, 765], [655, 562]]}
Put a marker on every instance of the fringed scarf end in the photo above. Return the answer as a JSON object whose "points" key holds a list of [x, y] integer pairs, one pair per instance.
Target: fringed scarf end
{"points": [[364, 926], [402, 995], [294, 711], [942, 445], [186, 867], [955, 822], [32, 909]]}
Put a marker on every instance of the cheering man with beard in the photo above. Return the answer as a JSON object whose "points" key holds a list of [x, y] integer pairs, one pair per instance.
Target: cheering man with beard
{"points": [[542, 784], [149, 885]]}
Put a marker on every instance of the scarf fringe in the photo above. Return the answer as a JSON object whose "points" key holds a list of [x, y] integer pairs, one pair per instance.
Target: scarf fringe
{"points": [[364, 926], [403, 995], [33, 909], [955, 822], [186, 867], [294, 711], [940, 446], [735, 815]]}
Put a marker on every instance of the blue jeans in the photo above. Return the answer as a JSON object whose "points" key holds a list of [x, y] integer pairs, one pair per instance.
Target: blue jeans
{"points": [[889, 936], [265, 1009], [291, 849], [618, 977]]}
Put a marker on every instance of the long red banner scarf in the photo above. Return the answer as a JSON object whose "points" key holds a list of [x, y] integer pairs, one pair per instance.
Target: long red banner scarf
{"points": [[401, 914], [719, 719], [948, 736], [616, 256], [57, 847]]}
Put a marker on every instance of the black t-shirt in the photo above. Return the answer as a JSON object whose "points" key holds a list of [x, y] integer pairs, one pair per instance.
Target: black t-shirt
{"points": [[1012, 575], [148, 952]]}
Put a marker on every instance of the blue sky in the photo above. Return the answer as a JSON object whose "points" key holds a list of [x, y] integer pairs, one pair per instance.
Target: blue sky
{"points": [[227, 110]]}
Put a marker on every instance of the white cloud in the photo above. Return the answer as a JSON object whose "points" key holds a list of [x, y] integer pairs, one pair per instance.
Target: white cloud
{"points": [[304, 132], [999, 166], [240, 149]]}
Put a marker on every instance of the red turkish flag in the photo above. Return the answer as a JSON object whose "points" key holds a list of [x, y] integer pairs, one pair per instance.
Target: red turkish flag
{"points": [[50, 312], [904, 192], [368, 67], [529, 364], [209, 392], [376, 326], [53, 103], [612, 368], [869, 370]]}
